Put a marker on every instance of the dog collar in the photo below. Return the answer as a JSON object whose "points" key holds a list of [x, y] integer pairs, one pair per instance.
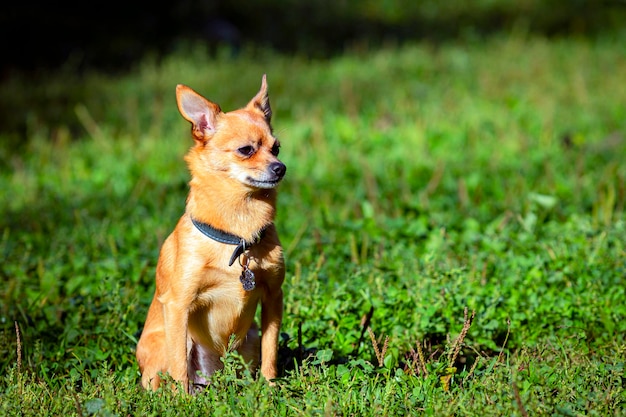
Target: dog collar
{"points": [[227, 238]]}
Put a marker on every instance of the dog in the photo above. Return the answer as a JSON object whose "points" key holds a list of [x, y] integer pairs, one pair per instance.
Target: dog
{"points": [[224, 256]]}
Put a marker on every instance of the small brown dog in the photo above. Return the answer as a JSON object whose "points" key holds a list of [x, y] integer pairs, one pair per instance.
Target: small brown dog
{"points": [[224, 256]]}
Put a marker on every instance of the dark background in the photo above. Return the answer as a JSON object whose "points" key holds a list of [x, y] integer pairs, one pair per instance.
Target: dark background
{"points": [[113, 35], [41, 39]]}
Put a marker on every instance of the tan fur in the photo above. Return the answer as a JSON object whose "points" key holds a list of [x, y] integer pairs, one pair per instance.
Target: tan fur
{"points": [[199, 300]]}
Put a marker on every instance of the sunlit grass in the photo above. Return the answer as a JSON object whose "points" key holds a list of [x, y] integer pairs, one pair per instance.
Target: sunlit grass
{"points": [[422, 180]]}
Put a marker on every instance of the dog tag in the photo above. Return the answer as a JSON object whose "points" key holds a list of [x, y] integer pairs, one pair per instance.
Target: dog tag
{"points": [[247, 279]]}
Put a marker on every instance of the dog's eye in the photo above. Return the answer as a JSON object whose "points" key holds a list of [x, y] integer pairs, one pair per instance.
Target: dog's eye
{"points": [[275, 149], [246, 150]]}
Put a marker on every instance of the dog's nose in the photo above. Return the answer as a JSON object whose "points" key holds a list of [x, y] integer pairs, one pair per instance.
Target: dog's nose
{"points": [[278, 168]]}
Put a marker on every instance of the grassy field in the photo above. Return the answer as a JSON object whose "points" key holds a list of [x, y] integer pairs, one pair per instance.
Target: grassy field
{"points": [[453, 221]]}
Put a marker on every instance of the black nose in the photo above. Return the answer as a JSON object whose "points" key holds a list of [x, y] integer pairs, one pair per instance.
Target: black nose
{"points": [[278, 168]]}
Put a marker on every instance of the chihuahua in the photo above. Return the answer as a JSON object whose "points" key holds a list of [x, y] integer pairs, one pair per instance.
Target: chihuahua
{"points": [[224, 256]]}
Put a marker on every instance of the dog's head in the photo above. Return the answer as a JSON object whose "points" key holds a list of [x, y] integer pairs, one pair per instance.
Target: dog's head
{"points": [[239, 144]]}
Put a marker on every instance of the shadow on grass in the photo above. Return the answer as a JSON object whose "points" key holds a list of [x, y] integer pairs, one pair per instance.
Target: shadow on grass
{"points": [[76, 266], [434, 353]]}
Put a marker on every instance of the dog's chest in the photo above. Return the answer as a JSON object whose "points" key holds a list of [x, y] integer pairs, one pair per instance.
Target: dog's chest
{"points": [[240, 286], [233, 283]]}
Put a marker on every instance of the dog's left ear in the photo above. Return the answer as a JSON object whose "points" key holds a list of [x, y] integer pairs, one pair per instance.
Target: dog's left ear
{"points": [[261, 102], [202, 113]]}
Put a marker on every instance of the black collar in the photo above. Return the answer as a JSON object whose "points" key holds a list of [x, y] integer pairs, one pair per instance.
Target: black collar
{"points": [[227, 238]]}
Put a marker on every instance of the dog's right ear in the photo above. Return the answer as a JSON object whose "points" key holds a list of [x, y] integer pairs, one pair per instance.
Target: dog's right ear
{"points": [[201, 112], [261, 102]]}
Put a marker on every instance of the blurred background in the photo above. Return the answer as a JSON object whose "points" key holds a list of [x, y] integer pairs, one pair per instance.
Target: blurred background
{"points": [[112, 35], [42, 38]]}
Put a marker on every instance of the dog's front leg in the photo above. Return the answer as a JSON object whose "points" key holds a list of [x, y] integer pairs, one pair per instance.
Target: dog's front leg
{"points": [[271, 318], [176, 320]]}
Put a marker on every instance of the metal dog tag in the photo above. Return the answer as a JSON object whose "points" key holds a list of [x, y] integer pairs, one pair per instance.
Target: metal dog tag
{"points": [[247, 279]]}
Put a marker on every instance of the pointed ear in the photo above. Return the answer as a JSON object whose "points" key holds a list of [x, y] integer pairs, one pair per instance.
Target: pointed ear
{"points": [[261, 102], [201, 112]]}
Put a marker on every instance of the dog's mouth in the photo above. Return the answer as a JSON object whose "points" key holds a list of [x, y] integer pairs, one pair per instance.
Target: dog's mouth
{"points": [[270, 178], [263, 184]]}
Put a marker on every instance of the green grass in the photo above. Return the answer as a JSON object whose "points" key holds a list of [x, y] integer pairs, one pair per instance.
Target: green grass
{"points": [[422, 180]]}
